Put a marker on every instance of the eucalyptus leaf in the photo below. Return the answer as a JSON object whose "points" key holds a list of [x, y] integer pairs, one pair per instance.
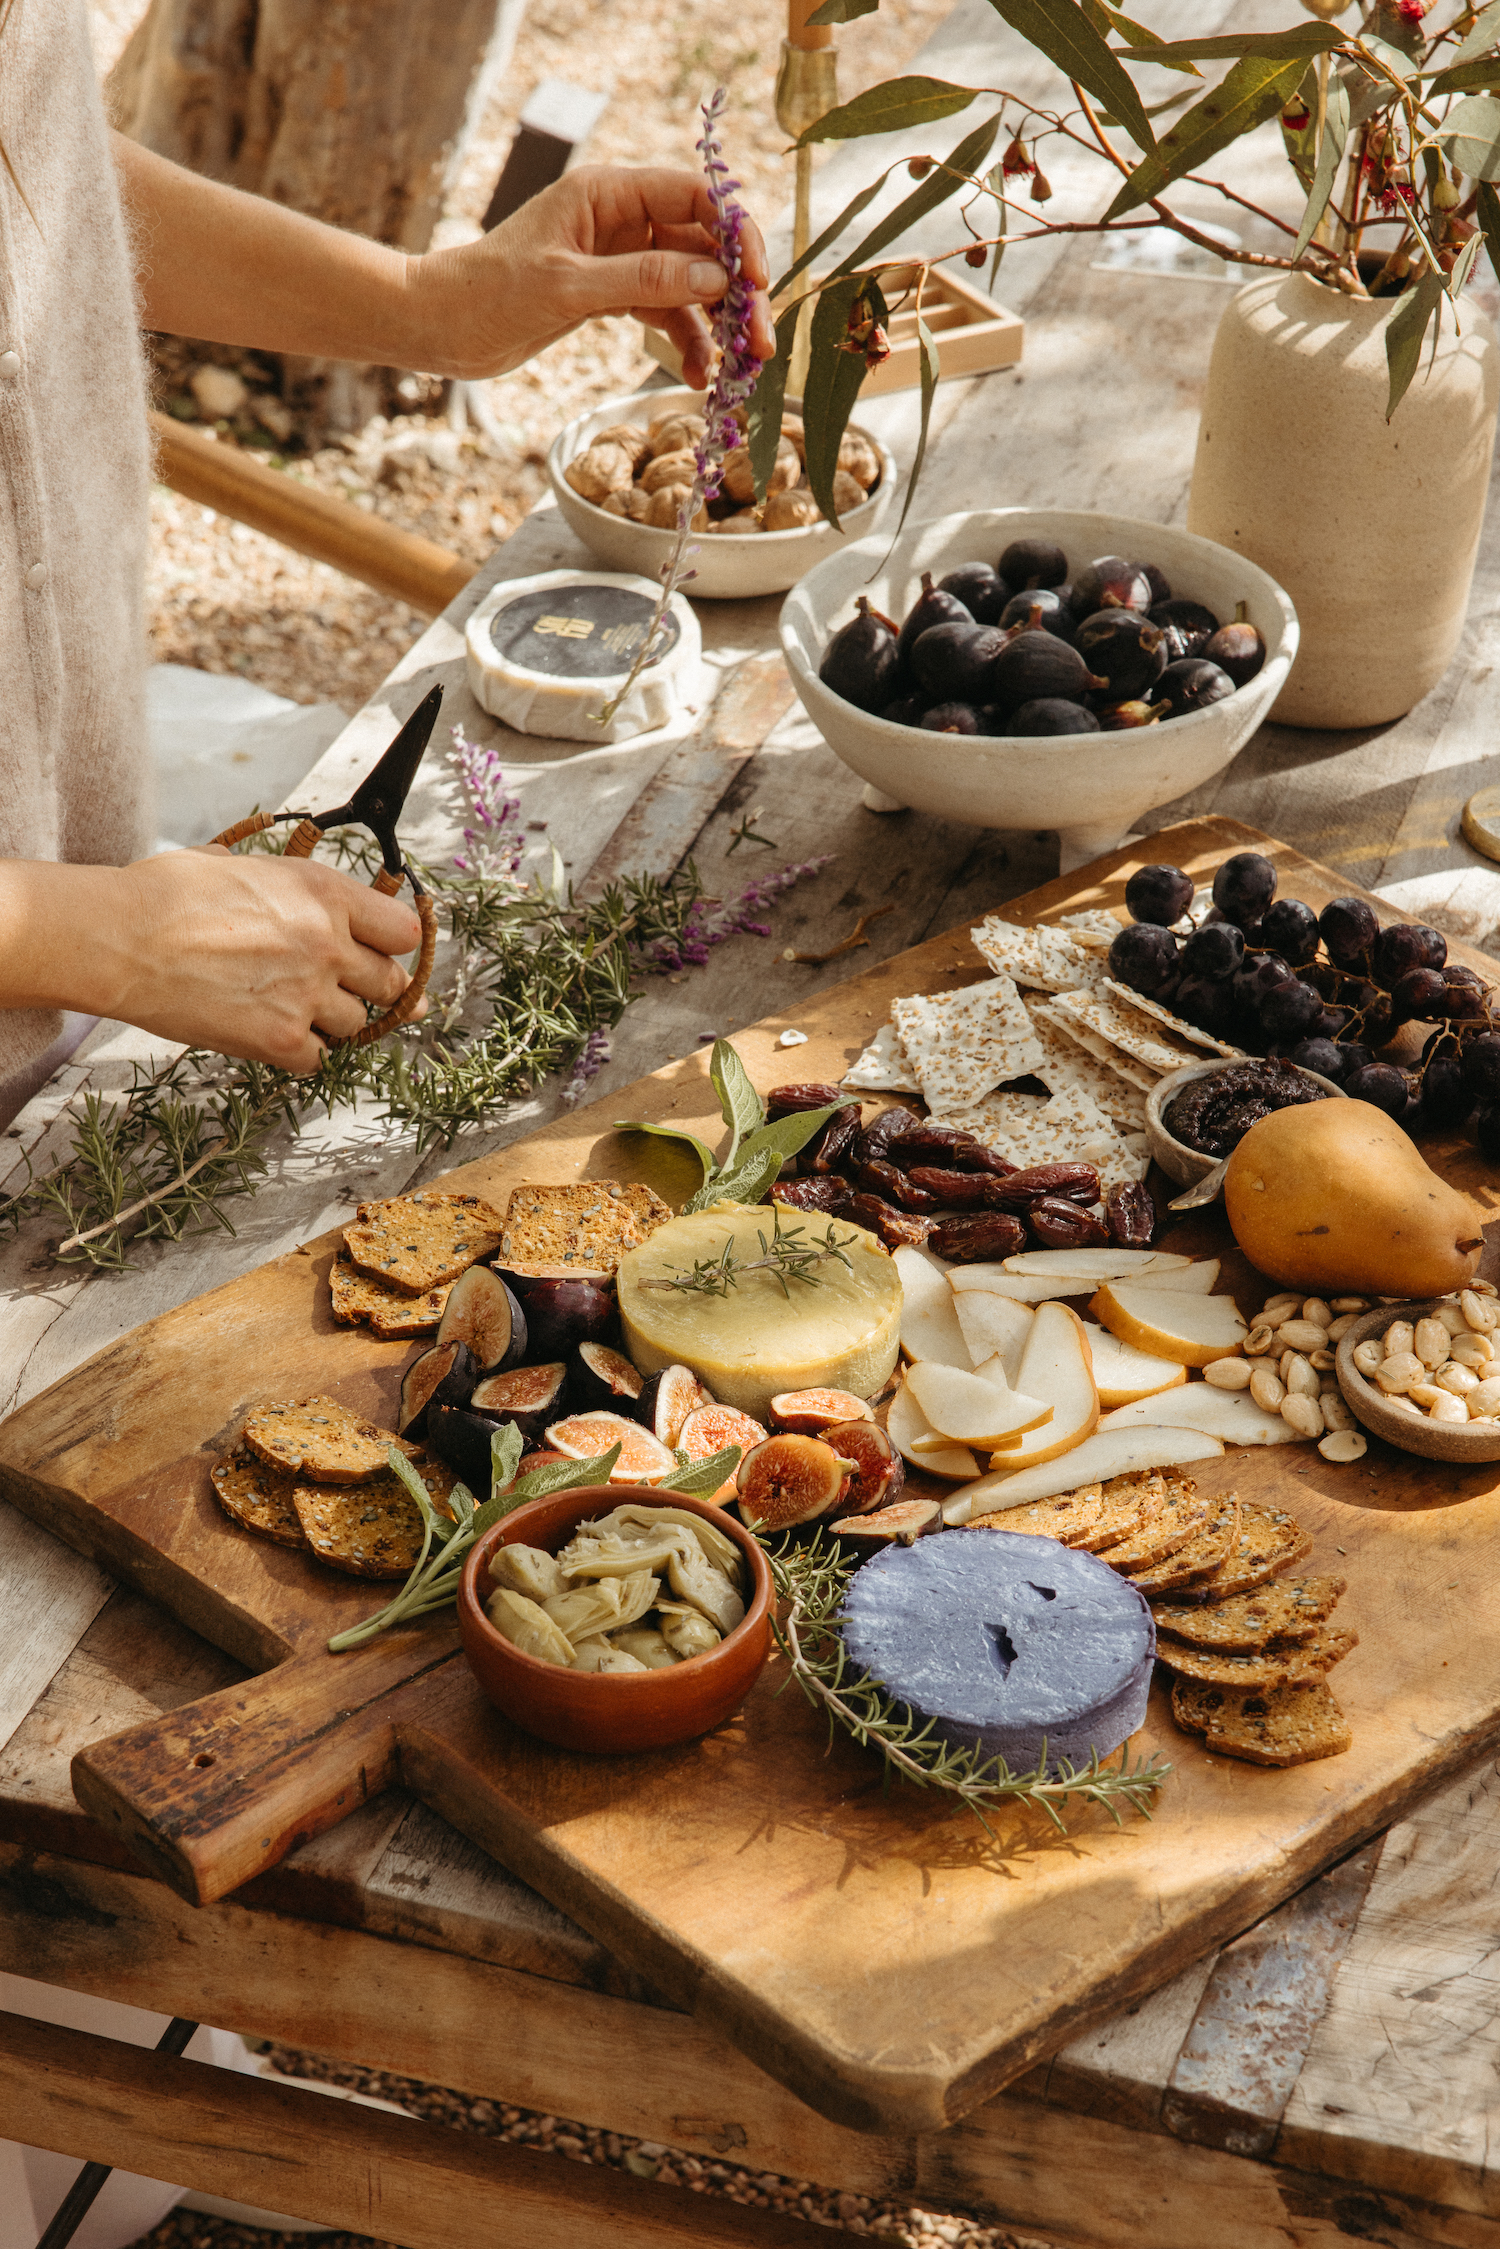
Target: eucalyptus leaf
{"points": [[1330, 156], [1487, 211], [928, 367], [742, 1107], [843, 11], [703, 1477], [1465, 78], [704, 1154], [1405, 333], [1464, 266], [1251, 92], [995, 181], [1061, 31], [833, 379], [892, 107], [1144, 37], [745, 1185], [950, 173], [1272, 46], [1399, 31], [1482, 36], [787, 1135], [1471, 135], [829, 235], [1395, 58]]}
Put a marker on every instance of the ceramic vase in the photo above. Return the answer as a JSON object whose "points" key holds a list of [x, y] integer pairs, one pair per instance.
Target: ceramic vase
{"points": [[1370, 525]]}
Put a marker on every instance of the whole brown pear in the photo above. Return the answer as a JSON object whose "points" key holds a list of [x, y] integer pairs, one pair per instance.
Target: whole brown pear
{"points": [[1333, 1198]]}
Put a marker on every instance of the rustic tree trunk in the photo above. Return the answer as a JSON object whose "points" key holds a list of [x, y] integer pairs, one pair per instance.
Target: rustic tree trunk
{"points": [[354, 111]]}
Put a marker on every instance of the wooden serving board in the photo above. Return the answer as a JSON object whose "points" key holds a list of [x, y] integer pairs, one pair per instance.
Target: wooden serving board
{"points": [[880, 1955]]}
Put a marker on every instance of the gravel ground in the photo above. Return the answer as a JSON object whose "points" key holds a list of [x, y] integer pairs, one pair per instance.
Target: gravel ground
{"points": [[893, 2222], [224, 598]]}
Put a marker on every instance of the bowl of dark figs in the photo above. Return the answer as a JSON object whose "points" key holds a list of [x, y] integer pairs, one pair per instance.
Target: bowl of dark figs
{"points": [[1037, 668]]}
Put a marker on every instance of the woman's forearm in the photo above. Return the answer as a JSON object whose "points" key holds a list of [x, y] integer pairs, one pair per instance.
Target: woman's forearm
{"points": [[56, 925]]}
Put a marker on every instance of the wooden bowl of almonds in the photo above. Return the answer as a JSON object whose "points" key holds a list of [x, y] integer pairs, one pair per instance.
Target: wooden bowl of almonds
{"points": [[1426, 1376], [621, 473]]}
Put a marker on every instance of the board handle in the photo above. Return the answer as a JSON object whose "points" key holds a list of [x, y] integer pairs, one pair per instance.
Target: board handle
{"points": [[209, 1795]]}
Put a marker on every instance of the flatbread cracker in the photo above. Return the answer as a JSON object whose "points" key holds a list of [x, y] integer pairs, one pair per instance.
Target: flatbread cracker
{"points": [[1155, 1050], [1066, 1063], [1182, 1515], [355, 1296], [1288, 1725], [1069, 1519], [1125, 997], [1200, 1557], [415, 1242], [1287, 1609], [1094, 921], [1270, 1541], [1277, 1664], [1128, 1504], [256, 1498], [883, 1067], [1094, 1043], [373, 1532], [1049, 959], [321, 1440], [963, 1044]]}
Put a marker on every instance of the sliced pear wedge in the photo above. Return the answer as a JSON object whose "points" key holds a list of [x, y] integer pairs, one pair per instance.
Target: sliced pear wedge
{"points": [[907, 1426], [929, 1322], [1094, 1264], [1194, 1280], [1230, 1414], [1057, 1365], [1112, 1452], [1121, 1373], [994, 1327], [972, 1412], [1170, 1323]]}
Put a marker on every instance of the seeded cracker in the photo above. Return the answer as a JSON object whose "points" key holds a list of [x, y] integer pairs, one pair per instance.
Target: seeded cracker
{"points": [[1182, 1515], [320, 1439], [1048, 958], [375, 1531], [1270, 1540], [1290, 1725], [256, 1498], [964, 1044], [587, 1226], [1277, 1664], [1067, 1066], [1091, 1042], [1122, 1027], [1095, 923], [1123, 996], [1200, 1557], [1128, 1504], [356, 1296], [415, 1242], [883, 1067], [1288, 1609], [1070, 1519]]}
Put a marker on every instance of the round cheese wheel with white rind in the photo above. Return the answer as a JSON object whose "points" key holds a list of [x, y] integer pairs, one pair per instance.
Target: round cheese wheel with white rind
{"points": [[547, 653], [1006, 1642], [758, 1340]]}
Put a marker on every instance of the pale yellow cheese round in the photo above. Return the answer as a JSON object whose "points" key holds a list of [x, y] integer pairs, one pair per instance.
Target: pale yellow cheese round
{"points": [[841, 1334]]}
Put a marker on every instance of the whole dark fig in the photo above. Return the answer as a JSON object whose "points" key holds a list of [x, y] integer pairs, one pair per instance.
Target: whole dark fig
{"points": [[1035, 666], [1160, 583], [1125, 649], [1191, 684], [1186, 625], [953, 662], [981, 590], [861, 663], [905, 711], [1114, 718], [1032, 562], [1111, 582], [1050, 714], [932, 607], [951, 718], [1043, 607], [1237, 648]]}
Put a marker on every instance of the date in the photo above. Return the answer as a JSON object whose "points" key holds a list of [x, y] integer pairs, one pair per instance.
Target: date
{"points": [[791, 1100], [891, 1124], [1057, 1224], [982, 1239], [957, 1190], [1073, 1183], [1130, 1215], [898, 1229], [827, 1194], [945, 1145], [893, 1186], [830, 1149]]}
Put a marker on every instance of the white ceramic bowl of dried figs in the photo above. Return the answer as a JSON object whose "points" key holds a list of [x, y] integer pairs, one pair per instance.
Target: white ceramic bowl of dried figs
{"points": [[620, 472], [1426, 1376]]}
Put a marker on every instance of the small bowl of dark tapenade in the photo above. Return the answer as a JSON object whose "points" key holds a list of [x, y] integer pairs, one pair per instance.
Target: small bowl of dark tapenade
{"points": [[1197, 1116]]}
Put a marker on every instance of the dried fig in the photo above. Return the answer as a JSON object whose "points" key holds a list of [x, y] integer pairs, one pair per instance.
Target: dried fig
{"points": [[859, 460], [789, 511], [669, 468], [738, 525], [666, 505], [739, 477], [631, 439], [795, 434], [675, 433], [789, 1480], [984, 1239], [848, 492], [598, 472]]}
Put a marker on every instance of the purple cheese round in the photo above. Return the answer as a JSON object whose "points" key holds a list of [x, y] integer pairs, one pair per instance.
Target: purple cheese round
{"points": [[1005, 1642]]}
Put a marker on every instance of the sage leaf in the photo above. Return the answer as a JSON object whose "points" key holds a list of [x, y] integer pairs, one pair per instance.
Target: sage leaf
{"points": [[843, 11], [1405, 333], [833, 379], [927, 364], [1305, 39], [557, 1476], [950, 173], [703, 1477], [1251, 92], [891, 107], [745, 1185], [506, 1448], [1330, 156], [704, 1154], [407, 1475], [1061, 31], [1471, 134], [1483, 34], [788, 1134], [742, 1106]]}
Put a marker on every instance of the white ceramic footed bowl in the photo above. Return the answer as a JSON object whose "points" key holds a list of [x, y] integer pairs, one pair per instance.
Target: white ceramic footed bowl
{"points": [[727, 568], [1091, 787]]}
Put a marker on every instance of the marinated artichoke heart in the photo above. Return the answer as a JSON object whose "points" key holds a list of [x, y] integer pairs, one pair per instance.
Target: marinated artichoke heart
{"points": [[695, 1580], [585, 1611], [529, 1627], [634, 1519], [648, 1648], [527, 1569], [684, 1630], [640, 1589], [603, 1655]]}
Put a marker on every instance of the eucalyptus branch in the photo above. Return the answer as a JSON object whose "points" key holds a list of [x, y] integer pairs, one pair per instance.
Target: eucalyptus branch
{"points": [[812, 1583]]}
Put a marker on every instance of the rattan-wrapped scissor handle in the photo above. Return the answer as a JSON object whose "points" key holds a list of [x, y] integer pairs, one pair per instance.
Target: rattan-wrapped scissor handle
{"points": [[300, 845]]}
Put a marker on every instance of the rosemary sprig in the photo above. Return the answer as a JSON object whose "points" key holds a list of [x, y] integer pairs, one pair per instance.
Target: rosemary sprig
{"points": [[812, 1581], [434, 1580], [785, 1254]]}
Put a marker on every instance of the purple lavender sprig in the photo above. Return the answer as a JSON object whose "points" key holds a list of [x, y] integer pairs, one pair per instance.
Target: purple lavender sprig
{"points": [[702, 929], [734, 380], [589, 1061], [494, 846]]}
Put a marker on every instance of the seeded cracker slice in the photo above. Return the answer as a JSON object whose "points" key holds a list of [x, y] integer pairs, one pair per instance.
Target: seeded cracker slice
{"points": [[321, 1440], [1050, 959], [1270, 1540], [1288, 1609], [1066, 1065], [1200, 1557], [964, 1044], [375, 1531], [255, 1497], [883, 1067], [1090, 1042], [1128, 1504], [1123, 996], [1290, 1725], [1156, 1050], [1275, 1665], [587, 1225], [1069, 1519], [415, 1242], [1182, 1515], [356, 1296]]}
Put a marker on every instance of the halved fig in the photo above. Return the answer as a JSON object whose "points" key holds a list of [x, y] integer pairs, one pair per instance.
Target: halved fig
{"points": [[544, 1459], [528, 1396], [446, 1373], [708, 1429], [789, 1480], [642, 1459], [603, 1377], [483, 1313], [808, 1413], [667, 1399], [461, 1441], [879, 1472], [901, 1525], [563, 1310]]}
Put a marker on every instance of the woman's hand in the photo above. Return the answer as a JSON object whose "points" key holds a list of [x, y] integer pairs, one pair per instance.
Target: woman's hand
{"points": [[602, 239], [257, 956]]}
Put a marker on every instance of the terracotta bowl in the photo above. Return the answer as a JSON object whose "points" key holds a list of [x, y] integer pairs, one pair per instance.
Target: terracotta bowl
{"points": [[1177, 1160], [1433, 1440], [607, 1717]]}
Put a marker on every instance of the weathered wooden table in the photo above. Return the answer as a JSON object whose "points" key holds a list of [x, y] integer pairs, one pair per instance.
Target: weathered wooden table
{"points": [[1331, 2074]]}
